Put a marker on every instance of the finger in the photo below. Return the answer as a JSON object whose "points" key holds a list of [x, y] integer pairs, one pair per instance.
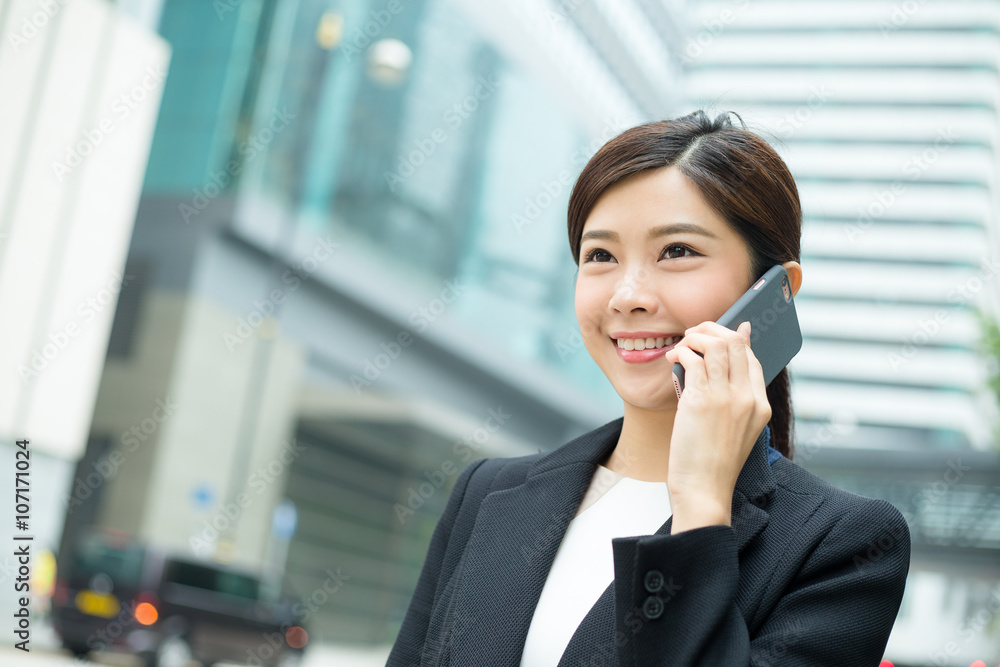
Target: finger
{"points": [[740, 334], [702, 342], [716, 353], [694, 369], [672, 355], [744, 329], [699, 343], [712, 328], [756, 377], [739, 367]]}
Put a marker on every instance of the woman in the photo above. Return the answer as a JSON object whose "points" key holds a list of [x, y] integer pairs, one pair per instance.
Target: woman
{"points": [[680, 534]]}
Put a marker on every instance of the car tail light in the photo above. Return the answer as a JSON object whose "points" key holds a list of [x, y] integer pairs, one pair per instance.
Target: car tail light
{"points": [[146, 612], [296, 637], [61, 593]]}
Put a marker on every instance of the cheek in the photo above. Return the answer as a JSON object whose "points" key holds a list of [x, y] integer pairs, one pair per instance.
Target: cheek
{"points": [[586, 300], [590, 305], [703, 298]]}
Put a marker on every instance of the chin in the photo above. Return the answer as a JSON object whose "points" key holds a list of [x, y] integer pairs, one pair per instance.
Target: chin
{"points": [[654, 399]]}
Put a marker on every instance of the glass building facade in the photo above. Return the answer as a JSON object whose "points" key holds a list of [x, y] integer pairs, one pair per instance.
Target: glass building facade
{"points": [[437, 151], [352, 235]]}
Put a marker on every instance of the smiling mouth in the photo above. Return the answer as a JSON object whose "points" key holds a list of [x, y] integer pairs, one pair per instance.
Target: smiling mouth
{"points": [[640, 344]]}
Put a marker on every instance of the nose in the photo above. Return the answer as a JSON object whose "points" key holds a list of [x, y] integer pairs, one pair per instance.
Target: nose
{"points": [[634, 291]]}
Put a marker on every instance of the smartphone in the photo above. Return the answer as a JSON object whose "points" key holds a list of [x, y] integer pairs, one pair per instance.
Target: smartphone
{"points": [[775, 336]]}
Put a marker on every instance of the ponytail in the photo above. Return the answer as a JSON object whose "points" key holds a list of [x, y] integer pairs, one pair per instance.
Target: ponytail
{"points": [[782, 423]]}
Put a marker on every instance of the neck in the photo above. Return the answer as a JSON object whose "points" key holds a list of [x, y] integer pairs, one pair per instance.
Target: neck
{"points": [[643, 449]]}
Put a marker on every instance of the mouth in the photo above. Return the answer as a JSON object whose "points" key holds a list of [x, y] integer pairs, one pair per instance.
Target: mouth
{"points": [[660, 346]]}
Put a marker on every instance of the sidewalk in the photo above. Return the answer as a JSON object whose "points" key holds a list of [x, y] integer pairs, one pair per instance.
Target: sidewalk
{"points": [[336, 656], [318, 656]]}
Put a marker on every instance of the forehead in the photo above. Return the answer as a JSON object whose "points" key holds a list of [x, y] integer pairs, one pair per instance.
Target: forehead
{"points": [[652, 197]]}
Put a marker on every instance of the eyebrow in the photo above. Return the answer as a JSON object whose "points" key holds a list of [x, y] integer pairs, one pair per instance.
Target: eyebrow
{"points": [[653, 233]]}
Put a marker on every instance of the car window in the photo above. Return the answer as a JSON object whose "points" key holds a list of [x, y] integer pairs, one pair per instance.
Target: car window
{"points": [[213, 579], [94, 556]]}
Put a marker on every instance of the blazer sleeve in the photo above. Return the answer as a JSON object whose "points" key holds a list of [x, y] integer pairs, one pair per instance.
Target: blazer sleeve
{"points": [[837, 610], [407, 649]]}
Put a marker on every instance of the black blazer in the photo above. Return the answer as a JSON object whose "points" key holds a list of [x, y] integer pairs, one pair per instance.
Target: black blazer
{"points": [[808, 574]]}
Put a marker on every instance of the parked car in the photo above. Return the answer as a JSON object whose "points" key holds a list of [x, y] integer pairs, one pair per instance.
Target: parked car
{"points": [[116, 594]]}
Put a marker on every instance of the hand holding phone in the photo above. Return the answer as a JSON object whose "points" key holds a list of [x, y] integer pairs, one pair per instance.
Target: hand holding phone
{"points": [[775, 336]]}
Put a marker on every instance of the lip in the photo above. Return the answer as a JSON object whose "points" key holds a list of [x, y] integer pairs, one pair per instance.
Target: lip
{"points": [[644, 334], [641, 356]]}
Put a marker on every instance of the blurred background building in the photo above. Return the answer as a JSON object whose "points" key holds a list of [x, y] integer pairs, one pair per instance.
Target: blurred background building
{"points": [[312, 254]]}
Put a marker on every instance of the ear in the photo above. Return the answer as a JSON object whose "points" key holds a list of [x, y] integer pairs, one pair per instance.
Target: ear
{"points": [[794, 271]]}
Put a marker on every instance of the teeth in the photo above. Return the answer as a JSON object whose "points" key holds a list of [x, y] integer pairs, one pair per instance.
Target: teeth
{"points": [[643, 343]]}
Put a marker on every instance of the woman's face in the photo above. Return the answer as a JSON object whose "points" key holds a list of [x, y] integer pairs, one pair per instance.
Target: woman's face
{"points": [[655, 260]]}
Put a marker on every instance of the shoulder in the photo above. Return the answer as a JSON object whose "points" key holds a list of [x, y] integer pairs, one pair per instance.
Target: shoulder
{"points": [[845, 524], [790, 477], [493, 473]]}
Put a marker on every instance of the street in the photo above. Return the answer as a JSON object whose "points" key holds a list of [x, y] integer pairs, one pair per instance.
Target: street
{"points": [[45, 653]]}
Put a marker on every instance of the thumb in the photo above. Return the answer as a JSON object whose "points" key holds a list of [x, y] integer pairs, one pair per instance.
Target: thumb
{"points": [[744, 329]]}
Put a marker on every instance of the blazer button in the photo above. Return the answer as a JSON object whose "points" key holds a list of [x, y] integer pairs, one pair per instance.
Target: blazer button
{"points": [[652, 607], [653, 581], [758, 501]]}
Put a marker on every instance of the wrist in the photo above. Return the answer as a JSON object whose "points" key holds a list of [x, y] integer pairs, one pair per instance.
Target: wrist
{"points": [[690, 512]]}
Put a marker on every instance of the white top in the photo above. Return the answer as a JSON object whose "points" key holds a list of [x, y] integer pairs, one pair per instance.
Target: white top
{"points": [[613, 506]]}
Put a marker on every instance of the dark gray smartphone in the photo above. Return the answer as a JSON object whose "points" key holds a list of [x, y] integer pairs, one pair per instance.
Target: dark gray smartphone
{"points": [[775, 336]]}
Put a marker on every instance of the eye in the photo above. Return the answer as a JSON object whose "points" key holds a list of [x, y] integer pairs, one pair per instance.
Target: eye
{"points": [[590, 255], [672, 249]]}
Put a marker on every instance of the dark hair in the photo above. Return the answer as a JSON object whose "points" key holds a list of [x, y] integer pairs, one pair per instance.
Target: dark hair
{"points": [[740, 176]]}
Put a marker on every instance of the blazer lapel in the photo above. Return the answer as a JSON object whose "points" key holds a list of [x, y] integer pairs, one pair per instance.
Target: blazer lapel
{"points": [[518, 532]]}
